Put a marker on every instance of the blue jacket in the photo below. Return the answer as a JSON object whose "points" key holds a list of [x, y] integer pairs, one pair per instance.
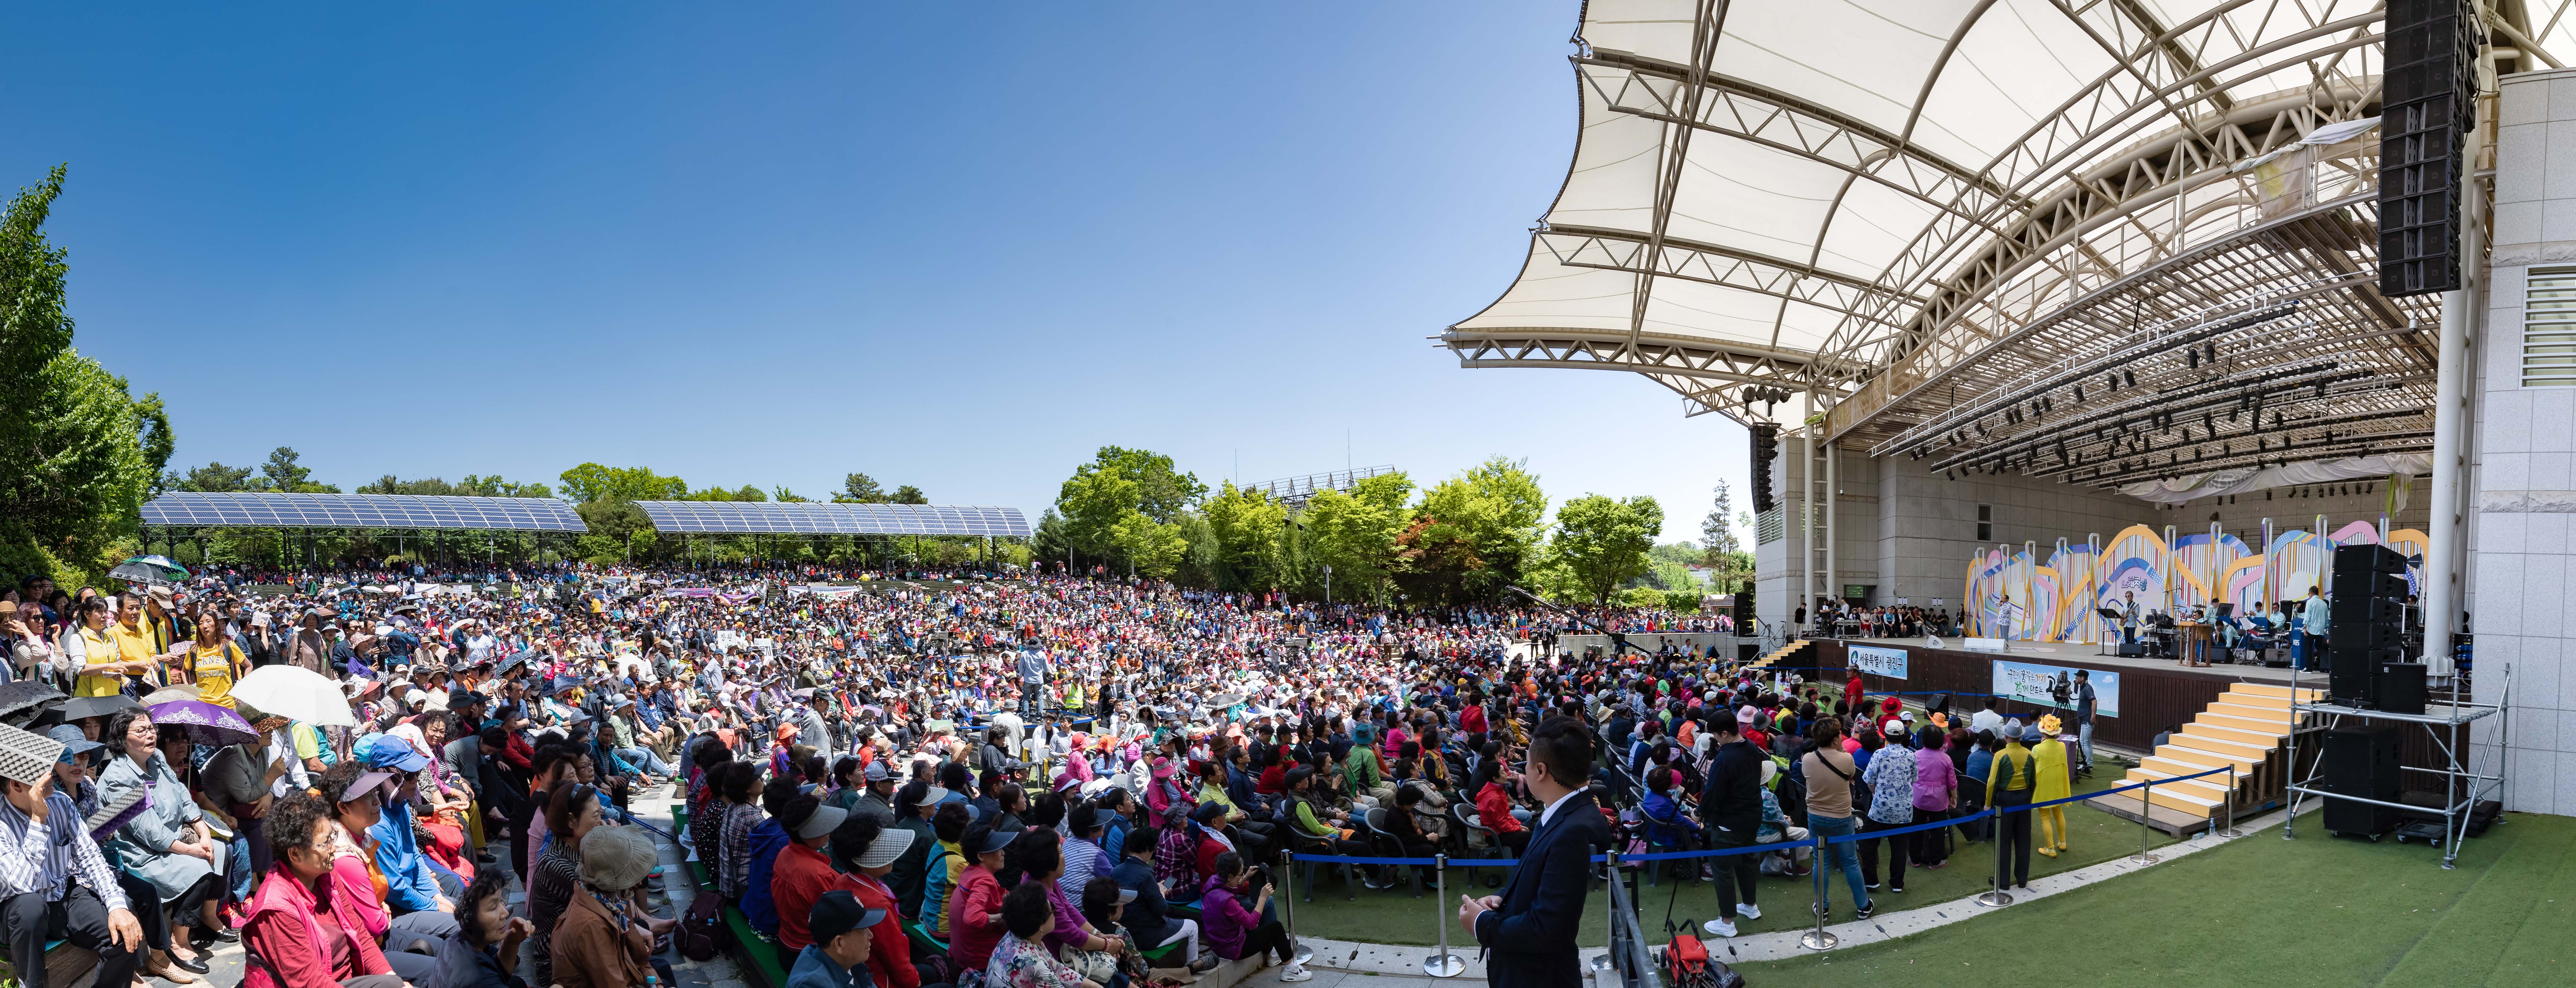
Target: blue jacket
{"points": [[768, 841], [410, 885], [814, 969]]}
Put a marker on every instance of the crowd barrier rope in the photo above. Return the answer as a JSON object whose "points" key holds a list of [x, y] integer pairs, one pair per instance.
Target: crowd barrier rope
{"points": [[1442, 964]]}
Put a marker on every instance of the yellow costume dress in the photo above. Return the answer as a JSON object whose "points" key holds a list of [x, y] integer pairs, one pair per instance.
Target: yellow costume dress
{"points": [[2050, 759]]}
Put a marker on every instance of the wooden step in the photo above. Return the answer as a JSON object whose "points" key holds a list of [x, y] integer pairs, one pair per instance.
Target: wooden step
{"points": [[2267, 689], [2270, 716], [2171, 798], [2220, 746], [2238, 696], [2205, 725], [2199, 759], [2223, 715], [2202, 788]]}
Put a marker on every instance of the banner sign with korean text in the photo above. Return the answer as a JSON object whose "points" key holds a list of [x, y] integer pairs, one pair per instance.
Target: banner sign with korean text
{"points": [[2054, 686], [1889, 662]]}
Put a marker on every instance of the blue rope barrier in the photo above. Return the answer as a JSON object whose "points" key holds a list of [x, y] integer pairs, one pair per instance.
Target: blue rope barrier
{"points": [[1915, 828], [1819, 841]]}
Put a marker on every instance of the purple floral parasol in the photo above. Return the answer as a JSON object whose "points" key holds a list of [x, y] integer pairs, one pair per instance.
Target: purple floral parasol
{"points": [[206, 723]]}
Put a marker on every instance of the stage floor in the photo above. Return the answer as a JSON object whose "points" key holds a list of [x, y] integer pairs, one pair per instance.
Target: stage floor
{"points": [[2073, 654]]}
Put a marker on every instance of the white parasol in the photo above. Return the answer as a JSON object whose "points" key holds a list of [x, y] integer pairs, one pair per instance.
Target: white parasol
{"points": [[295, 693]]}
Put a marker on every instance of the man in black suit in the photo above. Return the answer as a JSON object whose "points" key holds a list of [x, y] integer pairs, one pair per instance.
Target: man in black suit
{"points": [[1528, 932]]}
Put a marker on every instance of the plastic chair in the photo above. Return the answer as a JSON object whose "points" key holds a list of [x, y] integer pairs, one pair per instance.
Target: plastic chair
{"points": [[1475, 828], [1390, 845], [1301, 843]]}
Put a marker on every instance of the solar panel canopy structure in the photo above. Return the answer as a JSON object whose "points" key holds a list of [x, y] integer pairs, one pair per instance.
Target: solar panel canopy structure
{"points": [[813, 518], [517, 514]]}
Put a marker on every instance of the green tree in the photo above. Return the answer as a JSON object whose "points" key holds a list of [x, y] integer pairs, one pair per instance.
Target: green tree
{"points": [[1721, 550], [78, 452], [1355, 534], [284, 475], [1603, 542], [1162, 492], [908, 494], [859, 488], [593, 482], [783, 494], [214, 478], [1482, 528], [1246, 527]]}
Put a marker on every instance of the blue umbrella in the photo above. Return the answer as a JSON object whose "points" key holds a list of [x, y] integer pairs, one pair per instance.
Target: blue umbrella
{"points": [[149, 570]]}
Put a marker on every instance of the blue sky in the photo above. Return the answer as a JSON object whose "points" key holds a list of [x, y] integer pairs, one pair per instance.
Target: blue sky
{"points": [[958, 247]]}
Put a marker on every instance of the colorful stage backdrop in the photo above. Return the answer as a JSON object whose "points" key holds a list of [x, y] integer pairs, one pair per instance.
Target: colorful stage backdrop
{"points": [[2160, 570]]}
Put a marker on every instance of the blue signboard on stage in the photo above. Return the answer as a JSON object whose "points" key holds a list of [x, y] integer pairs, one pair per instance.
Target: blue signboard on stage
{"points": [[1889, 662]]}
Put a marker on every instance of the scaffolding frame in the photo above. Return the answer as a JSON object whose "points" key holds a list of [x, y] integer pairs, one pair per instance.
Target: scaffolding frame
{"points": [[2463, 785]]}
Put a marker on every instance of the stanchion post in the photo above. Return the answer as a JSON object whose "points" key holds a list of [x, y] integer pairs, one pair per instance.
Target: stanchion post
{"points": [[1996, 896], [1288, 907], [1820, 938], [2227, 806], [2146, 805], [1442, 963], [1609, 911]]}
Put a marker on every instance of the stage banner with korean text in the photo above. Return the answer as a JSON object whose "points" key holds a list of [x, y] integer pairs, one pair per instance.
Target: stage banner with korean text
{"points": [[1889, 662], [2054, 686]]}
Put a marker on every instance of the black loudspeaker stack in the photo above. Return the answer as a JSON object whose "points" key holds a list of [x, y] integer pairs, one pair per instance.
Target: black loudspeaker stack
{"points": [[1744, 621], [2361, 761], [2362, 624], [2427, 107], [1766, 447]]}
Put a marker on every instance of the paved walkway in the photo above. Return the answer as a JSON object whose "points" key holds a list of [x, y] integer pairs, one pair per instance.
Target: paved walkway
{"points": [[1393, 966]]}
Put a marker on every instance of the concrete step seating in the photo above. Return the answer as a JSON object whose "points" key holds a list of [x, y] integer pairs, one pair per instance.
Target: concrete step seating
{"points": [[2244, 727]]}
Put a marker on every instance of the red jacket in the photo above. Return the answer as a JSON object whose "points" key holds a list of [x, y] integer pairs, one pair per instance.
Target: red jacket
{"points": [[286, 930], [890, 960], [799, 876], [1494, 809]]}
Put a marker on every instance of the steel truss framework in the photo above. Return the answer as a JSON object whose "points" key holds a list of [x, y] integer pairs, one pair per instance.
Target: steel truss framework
{"points": [[2159, 174]]}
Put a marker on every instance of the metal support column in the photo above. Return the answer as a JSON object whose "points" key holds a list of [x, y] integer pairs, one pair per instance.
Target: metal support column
{"points": [[2453, 377]]}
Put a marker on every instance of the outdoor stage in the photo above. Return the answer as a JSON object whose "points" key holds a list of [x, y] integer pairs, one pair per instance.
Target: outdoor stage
{"points": [[2090, 655]]}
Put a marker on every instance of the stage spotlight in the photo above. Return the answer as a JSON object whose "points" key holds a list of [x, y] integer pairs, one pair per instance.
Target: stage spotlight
{"points": [[2129, 377], [2193, 358], [2213, 351], [2321, 389], [2079, 394]]}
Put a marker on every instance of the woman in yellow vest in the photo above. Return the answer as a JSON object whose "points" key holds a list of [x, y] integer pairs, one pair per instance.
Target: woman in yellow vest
{"points": [[214, 662], [2050, 757], [97, 655]]}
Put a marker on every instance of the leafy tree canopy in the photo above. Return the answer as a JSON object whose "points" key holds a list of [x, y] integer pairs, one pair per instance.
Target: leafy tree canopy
{"points": [[1602, 542], [592, 482], [78, 452]]}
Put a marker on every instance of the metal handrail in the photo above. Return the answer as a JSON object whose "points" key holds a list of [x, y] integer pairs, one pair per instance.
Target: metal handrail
{"points": [[1628, 952]]}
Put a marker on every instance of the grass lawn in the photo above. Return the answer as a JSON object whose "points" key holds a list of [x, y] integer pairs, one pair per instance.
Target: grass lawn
{"points": [[2314, 911], [1394, 916]]}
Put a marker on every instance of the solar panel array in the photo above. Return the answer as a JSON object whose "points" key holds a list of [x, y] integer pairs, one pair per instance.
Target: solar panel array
{"points": [[814, 518], [521, 514]]}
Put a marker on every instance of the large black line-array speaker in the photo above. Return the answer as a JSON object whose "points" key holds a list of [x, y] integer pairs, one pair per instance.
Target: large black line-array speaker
{"points": [[1766, 447], [2427, 106], [2363, 623], [1744, 620], [2361, 761]]}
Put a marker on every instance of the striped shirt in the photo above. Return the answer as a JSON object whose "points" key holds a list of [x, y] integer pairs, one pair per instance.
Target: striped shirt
{"points": [[34, 857]]}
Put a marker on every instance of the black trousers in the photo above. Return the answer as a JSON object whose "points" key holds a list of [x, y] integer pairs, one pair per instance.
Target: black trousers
{"points": [[1735, 873], [1932, 846], [1268, 936], [1896, 852], [2014, 830], [27, 921]]}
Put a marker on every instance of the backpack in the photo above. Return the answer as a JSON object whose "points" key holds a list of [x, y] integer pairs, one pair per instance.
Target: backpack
{"points": [[702, 933]]}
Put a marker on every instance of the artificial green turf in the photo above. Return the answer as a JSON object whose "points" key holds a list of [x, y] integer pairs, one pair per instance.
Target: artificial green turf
{"points": [[2268, 912], [1393, 916]]}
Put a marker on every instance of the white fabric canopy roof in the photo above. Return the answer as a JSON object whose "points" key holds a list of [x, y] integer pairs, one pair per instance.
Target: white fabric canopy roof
{"points": [[1791, 191]]}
